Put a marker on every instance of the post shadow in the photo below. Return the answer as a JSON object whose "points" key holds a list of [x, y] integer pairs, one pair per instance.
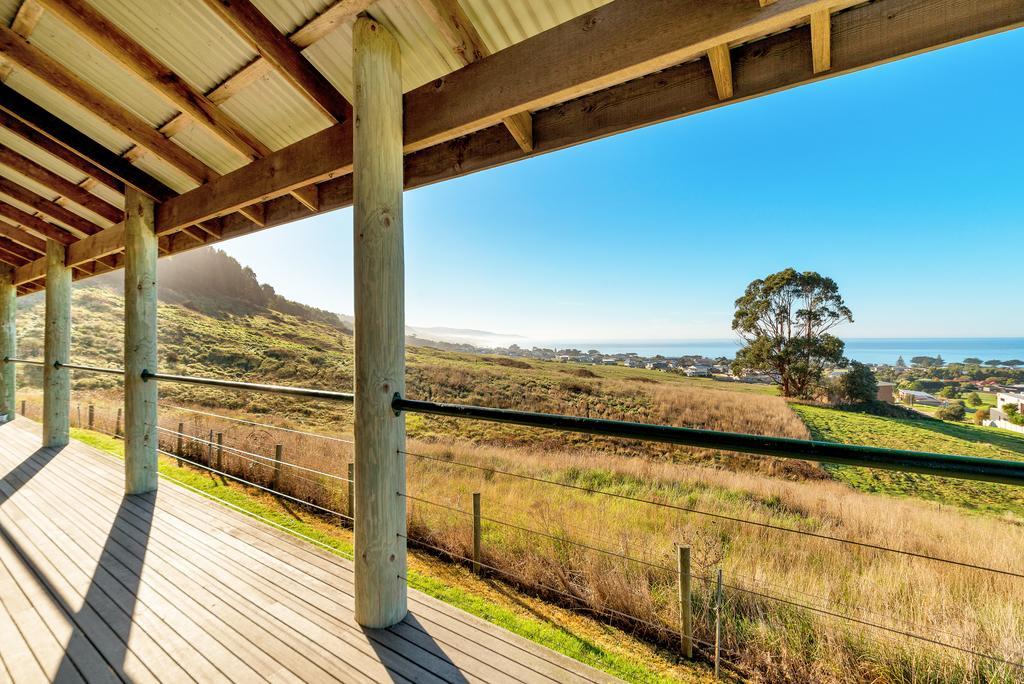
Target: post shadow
{"points": [[126, 568], [423, 649]]}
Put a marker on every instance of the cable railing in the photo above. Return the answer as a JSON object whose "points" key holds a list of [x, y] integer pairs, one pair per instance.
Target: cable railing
{"points": [[755, 589]]}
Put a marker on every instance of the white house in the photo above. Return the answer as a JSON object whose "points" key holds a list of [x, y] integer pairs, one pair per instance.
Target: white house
{"points": [[698, 371], [997, 417]]}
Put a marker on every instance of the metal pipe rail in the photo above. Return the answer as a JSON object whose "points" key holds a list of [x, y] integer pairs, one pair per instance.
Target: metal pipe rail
{"points": [[943, 465], [252, 387], [27, 362]]}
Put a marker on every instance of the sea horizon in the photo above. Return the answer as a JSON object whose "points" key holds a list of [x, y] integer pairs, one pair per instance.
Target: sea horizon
{"points": [[863, 349]]}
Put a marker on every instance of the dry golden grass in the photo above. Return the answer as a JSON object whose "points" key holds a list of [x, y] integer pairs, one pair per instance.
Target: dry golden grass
{"points": [[771, 640]]}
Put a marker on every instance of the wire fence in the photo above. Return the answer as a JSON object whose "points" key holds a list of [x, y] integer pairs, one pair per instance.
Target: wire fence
{"points": [[271, 459]]}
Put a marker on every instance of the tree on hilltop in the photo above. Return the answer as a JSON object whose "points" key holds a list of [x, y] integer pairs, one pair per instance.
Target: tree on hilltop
{"points": [[784, 319]]}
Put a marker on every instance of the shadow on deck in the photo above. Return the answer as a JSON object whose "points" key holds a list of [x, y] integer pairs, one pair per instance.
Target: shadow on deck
{"points": [[96, 586]]}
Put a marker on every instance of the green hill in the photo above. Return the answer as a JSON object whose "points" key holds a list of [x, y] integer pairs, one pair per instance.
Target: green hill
{"points": [[921, 435]]}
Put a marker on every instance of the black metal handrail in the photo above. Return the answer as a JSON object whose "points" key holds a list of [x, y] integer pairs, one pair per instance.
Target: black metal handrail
{"points": [[252, 387], [944, 465]]}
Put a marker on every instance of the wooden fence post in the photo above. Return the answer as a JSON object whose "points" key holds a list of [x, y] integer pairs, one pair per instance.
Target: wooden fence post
{"points": [[685, 604], [78, 410], [92, 416], [718, 620], [117, 424], [351, 490], [220, 451], [23, 407], [180, 450], [476, 532], [209, 450], [278, 457]]}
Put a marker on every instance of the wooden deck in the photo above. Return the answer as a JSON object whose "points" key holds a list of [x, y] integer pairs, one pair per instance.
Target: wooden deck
{"points": [[98, 587]]}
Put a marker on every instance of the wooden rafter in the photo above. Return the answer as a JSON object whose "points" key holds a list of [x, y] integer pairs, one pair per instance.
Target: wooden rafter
{"points": [[48, 207], [19, 106], [821, 43], [15, 234], [274, 47], [35, 225], [468, 45], [721, 70], [129, 124], [58, 184], [81, 164], [117, 44]]}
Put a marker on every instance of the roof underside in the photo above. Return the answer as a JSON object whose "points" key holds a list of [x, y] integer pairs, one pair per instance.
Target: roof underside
{"points": [[193, 101]]}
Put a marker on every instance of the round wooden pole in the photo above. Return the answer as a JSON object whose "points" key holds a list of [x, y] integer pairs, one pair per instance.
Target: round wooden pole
{"points": [[56, 347], [140, 253], [380, 566], [8, 342]]}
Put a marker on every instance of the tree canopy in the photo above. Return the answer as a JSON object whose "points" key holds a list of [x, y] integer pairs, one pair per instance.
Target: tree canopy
{"points": [[785, 319]]}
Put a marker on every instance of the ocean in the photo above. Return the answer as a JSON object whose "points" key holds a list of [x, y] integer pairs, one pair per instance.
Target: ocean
{"points": [[865, 350]]}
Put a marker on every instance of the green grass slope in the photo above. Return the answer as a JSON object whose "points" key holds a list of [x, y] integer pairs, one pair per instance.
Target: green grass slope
{"points": [[921, 435]]}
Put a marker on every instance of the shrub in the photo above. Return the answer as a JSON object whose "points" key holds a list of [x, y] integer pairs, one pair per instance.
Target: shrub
{"points": [[858, 385], [952, 412], [981, 415], [973, 399]]}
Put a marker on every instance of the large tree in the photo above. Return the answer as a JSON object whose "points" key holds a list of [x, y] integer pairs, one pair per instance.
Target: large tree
{"points": [[785, 320]]}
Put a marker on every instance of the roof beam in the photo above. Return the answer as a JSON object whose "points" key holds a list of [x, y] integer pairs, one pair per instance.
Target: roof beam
{"points": [[15, 234], [48, 207], [615, 43], [274, 47], [81, 164], [338, 13], [19, 106], [468, 45], [117, 44], [35, 225], [131, 125], [59, 184], [721, 70], [821, 40]]}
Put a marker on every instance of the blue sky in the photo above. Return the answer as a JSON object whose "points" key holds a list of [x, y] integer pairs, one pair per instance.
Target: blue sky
{"points": [[905, 183]]}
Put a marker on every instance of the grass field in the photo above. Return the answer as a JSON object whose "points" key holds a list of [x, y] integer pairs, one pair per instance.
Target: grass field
{"points": [[728, 508], [921, 435]]}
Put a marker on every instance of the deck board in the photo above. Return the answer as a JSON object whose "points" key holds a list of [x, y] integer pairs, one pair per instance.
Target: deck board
{"points": [[95, 586]]}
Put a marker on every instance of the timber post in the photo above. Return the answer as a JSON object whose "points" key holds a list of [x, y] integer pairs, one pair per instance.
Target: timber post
{"points": [[278, 458], [685, 602], [351, 491], [476, 532], [8, 343], [140, 394], [380, 526], [220, 451], [92, 416], [56, 347], [180, 450]]}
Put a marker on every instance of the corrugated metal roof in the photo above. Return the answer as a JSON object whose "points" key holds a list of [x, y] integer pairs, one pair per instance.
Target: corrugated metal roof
{"points": [[59, 41], [275, 112], [183, 34], [502, 23], [193, 41], [288, 15], [39, 156], [69, 111]]}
